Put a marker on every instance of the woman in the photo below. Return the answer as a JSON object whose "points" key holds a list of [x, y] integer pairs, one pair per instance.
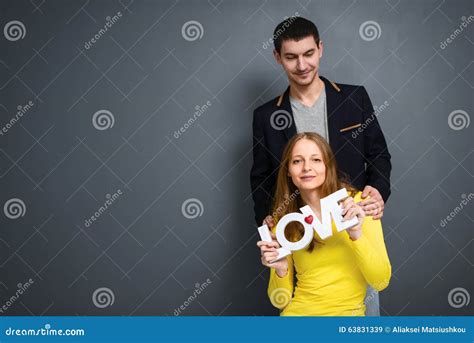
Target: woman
{"points": [[331, 275]]}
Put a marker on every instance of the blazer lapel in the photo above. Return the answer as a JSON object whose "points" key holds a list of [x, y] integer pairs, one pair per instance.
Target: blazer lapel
{"points": [[285, 105], [333, 101]]}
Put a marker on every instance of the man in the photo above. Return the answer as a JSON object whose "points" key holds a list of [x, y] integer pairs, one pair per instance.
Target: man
{"points": [[342, 114]]}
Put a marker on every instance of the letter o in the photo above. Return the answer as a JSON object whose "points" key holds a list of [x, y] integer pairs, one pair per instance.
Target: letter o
{"points": [[280, 232]]}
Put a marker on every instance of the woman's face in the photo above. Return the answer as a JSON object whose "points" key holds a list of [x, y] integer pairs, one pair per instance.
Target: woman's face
{"points": [[306, 166]]}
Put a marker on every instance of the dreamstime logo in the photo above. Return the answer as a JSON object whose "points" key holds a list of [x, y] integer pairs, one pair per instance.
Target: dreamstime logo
{"points": [[370, 119], [281, 120], [370, 30], [465, 22], [20, 290], [47, 330], [21, 111], [199, 288], [103, 297], [199, 110], [458, 297], [110, 22], [192, 30], [101, 210], [282, 208], [192, 208], [280, 297], [14, 30], [14, 208], [287, 22], [103, 120], [466, 198], [458, 120]]}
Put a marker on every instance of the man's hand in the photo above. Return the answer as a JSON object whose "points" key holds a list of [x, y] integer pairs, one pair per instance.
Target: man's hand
{"points": [[373, 206]]}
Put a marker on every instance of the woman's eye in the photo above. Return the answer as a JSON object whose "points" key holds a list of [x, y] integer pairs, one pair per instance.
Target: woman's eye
{"points": [[296, 161], [316, 159]]}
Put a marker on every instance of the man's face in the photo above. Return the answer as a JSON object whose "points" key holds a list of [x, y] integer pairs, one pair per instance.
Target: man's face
{"points": [[300, 59]]}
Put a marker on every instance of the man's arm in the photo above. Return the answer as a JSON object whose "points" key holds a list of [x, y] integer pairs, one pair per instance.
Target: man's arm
{"points": [[260, 171], [377, 156]]}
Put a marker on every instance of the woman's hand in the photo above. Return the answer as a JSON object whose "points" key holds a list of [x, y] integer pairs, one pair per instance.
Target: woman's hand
{"points": [[350, 210], [269, 221], [268, 252]]}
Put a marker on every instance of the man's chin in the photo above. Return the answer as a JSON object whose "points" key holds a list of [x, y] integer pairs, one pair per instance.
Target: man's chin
{"points": [[303, 82]]}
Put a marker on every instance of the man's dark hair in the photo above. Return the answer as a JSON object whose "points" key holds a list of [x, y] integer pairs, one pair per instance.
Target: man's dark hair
{"points": [[294, 28]]}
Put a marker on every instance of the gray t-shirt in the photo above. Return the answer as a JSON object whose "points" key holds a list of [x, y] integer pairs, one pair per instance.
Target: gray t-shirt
{"points": [[311, 119]]}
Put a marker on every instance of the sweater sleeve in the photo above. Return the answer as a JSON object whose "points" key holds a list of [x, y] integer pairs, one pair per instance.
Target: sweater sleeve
{"points": [[371, 254], [280, 289]]}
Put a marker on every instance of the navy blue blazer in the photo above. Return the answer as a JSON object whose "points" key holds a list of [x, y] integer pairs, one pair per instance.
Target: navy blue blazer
{"points": [[354, 136]]}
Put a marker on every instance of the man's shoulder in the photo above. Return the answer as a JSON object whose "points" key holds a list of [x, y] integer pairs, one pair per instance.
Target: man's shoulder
{"points": [[355, 93], [269, 106], [345, 88]]}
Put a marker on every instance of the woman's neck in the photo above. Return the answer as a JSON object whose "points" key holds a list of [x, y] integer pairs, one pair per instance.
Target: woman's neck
{"points": [[312, 199]]}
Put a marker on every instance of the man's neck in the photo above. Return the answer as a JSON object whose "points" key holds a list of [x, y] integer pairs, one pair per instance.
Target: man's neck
{"points": [[307, 95]]}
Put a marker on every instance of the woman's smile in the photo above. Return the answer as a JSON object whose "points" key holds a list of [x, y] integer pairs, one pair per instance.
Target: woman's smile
{"points": [[307, 178]]}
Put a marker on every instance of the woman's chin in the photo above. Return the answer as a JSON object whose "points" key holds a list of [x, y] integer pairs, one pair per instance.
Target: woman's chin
{"points": [[308, 187]]}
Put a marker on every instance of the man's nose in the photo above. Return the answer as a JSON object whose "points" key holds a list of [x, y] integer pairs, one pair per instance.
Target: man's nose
{"points": [[301, 65]]}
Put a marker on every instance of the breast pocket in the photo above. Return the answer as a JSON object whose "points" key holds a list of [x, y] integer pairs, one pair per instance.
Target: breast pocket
{"points": [[351, 152], [352, 132], [353, 127], [351, 137]]}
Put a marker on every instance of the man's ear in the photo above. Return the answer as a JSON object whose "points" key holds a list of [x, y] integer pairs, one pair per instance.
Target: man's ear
{"points": [[321, 48], [277, 56]]}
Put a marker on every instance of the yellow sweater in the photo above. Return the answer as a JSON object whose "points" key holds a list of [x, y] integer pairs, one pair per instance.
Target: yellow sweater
{"points": [[332, 279]]}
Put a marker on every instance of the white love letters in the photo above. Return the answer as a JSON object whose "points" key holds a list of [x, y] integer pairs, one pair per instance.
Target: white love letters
{"points": [[329, 207]]}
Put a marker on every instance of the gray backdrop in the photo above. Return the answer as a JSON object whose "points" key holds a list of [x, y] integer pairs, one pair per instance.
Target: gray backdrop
{"points": [[142, 120]]}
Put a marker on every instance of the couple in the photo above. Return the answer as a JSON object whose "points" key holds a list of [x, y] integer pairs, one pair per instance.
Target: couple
{"points": [[322, 147]]}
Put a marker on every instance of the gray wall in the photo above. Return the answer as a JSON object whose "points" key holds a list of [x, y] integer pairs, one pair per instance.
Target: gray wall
{"points": [[146, 253]]}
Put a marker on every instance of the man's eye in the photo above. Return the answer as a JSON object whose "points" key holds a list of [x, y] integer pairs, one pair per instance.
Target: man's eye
{"points": [[291, 58], [309, 55]]}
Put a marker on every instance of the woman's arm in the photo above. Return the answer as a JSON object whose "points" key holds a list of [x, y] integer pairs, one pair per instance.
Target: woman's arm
{"points": [[371, 254], [280, 288]]}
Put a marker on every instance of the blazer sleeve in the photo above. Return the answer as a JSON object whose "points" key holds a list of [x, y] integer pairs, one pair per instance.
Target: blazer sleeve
{"points": [[260, 171], [377, 156]]}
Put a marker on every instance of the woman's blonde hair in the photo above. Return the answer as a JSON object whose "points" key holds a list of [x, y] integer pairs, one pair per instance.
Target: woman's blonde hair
{"points": [[287, 197]]}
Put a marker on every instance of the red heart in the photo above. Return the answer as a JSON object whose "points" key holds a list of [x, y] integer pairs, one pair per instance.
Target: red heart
{"points": [[309, 219]]}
